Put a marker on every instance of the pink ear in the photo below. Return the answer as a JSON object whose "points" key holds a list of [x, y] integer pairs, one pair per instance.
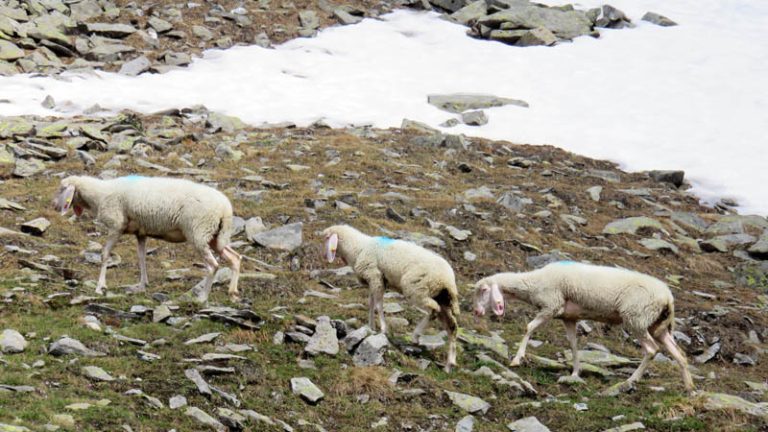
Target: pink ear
{"points": [[497, 299], [331, 243], [64, 200]]}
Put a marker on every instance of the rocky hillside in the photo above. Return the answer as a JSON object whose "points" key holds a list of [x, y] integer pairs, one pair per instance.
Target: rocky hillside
{"points": [[295, 354]]}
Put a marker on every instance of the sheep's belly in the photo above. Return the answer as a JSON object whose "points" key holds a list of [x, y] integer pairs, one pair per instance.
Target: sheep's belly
{"points": [[573, 311], [173, 236]]}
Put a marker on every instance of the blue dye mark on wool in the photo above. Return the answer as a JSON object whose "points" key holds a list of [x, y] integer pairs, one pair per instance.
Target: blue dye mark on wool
{"points": [[566, 262], [132, 177], [384, 241]]}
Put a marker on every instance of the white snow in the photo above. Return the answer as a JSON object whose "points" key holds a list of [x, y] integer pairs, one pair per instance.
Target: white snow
{"points": [[690, 97]]}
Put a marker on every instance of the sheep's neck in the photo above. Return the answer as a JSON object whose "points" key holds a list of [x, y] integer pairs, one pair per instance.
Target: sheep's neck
{"points": [[91, 192]]}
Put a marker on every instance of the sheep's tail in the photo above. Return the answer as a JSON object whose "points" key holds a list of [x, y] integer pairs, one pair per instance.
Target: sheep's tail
{"points": [[666, 319], [225, 232]]}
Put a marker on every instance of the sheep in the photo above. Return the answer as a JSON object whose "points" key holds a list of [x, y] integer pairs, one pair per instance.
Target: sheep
{"points": [[425, 278], [572, 291], [173, 210]]}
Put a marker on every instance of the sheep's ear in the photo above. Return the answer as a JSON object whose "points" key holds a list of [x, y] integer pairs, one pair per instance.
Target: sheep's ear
{"points": [[64, 200], [497, 299], [331, 243]]}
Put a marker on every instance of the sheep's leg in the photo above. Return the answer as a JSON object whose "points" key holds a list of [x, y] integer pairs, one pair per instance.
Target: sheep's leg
{"points": [[376, 302], [649, 349], [105, 251], [234, 261], [201, 292], [419, 330], [540, 319], [380, 307], [451, 325], [669, 343], [570, 333], [141, 243]]}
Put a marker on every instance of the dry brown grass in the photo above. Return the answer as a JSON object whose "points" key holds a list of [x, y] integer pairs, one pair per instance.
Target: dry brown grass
{"points": [[373, 380]]}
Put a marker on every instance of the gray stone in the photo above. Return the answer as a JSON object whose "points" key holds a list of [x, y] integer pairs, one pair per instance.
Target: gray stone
{"points": [[449, 5], [689, 221], [219, 122], [286, 238], [202, 386], [371, 350], [659, 245], [468, 403], [14, 13], [36, 227], [708, 354], [466, 424], [160, 25], [177, 402], [161, 313], [725, 243], [536, 37], [672, 177], [9, 51], [471, 12], [12, 342], [661, 20], [632, 225], [104, 52], [737, 224], [324, 340], [759, 250], [353, 338], [67, 346], [611, 17], [206, 338], [177, 59], [205, 419], [97, 374], [497, 345], [110, 30], [474, 118], [85, 10], [202, 32], [609, 176], [458, 234], [309, 19], [136, 66], [254, 226], [345, 17], [483, 192], [726, 402], [308, 391], [460, 102], [564, 24], [527, 424], [28, 167]]}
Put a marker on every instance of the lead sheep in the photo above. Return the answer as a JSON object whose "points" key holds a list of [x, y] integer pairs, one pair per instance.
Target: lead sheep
{"points": [[425, 278], [572, 291], [173, 210]]}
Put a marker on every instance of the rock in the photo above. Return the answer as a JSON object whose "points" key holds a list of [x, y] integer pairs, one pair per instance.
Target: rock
{"points": [[161, 313], [483, 192], [759, 250], [708, 354], [468, 403], [689, 221], [227, 152], [85, 10], [202, 32], [661, 20], [527, 424], [9, 51], [202, 386], [371, 350], [449, 5], [217, 122], [497, 345], [632, 225], [66, 346], [286, 238], [12, 428], [672, 177], [610, 17], [160, 25], [110, 30], [136, 66], [177, 402], [324, 340], [601, 358], [97, 374], [458, 234], [353, 338], [726, 402], [36, 227], [725, 243], [234, 421], [28, 167], [627, 427], [10, 205], [177, 59], [471, 12], [466, 424], [536, 37], [659, 245], [460, 102], [594, 193], [564, 24], [308, 391], [12, 342], [474, 118], [108, 52], [64, 420], [309, 19], [609, 176], [737, 224], [206, 338], [205, 419], [345, 17]]}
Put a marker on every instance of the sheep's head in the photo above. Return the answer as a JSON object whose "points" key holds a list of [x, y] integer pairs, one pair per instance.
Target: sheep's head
{"points": [[66, 198], [488, 294], [331, 244]]}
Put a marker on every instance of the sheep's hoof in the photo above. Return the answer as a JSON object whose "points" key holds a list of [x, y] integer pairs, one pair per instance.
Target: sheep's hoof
{"points": [[235, 298], [617, 389], [515, 362], [100, 290]]}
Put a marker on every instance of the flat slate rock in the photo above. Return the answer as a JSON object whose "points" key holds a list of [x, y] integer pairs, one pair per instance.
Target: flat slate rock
{"points": [[308, 391], [286, 238], [460, 102], [12, 342], [632, 225], [527, 424], [468, 403]]}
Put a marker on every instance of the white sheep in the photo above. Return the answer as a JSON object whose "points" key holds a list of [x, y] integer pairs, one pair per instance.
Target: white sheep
{"points": [[572, 291], [425, 278], [173, 210]]}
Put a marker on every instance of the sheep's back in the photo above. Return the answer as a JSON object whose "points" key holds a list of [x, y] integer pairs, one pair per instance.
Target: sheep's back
{"points": [[400, 260]]}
